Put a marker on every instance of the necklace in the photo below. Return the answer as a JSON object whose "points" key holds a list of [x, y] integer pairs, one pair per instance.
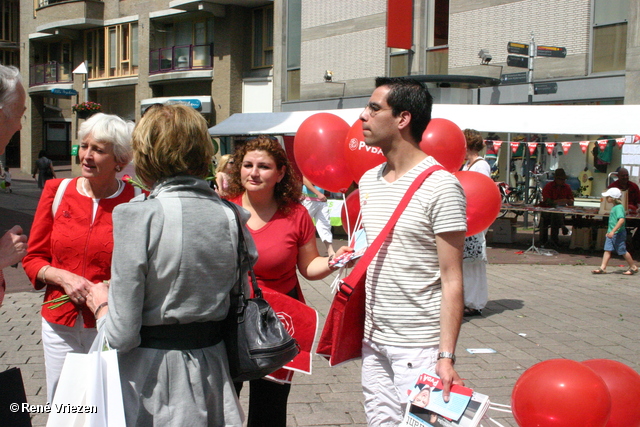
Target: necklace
{"points": [[86, 191]]}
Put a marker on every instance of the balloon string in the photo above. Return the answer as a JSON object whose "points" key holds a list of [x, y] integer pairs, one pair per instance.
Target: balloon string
{"points": [[346, 211], [355, 228], [499, 404]]}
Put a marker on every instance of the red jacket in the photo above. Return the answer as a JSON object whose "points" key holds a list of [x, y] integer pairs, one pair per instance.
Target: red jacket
{"points": [[72, 243]]}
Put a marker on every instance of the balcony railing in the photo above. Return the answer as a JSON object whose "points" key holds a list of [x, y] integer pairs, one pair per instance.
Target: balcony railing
{"points": [[181, 58], [51, 72], [43, 3]]}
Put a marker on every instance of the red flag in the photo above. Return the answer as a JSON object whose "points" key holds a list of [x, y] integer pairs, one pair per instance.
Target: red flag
{"points": [[496, 147], [301, 322], [514, 146], [532, 147], [584, 145], [620, 142], [602, 143], [636, 139], [550, 146], [566, 146]]}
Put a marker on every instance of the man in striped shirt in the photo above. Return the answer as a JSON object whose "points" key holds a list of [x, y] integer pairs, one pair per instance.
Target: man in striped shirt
{"points": [[414, 300]]}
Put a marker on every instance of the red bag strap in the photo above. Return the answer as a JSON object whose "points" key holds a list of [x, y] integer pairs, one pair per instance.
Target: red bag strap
{"points": [[361, 267]]}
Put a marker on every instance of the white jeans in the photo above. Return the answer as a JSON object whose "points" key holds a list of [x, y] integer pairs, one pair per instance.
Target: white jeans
{"points": [[319, 211], [388, 372], [57, 341]]}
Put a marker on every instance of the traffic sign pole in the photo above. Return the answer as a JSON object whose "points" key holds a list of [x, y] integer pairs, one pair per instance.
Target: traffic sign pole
{"points": [[532, 52]]}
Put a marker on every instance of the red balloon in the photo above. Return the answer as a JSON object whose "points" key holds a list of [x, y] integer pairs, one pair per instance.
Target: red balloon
{"points": [[319, 152], [483, 200], [624, 387], [560, 393], [444, 141], [352, 207], [359, 156]]}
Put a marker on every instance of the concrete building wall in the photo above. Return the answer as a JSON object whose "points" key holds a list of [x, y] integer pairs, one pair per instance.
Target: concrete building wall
{"points": [[493, 24], [347, 38]]}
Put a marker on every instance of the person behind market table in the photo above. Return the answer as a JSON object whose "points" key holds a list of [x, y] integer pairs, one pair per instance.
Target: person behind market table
{"points": [[616, 234], [13, 243], [414, 287], [264, 182], [474, 258], [175, 262], [555, 193], [71, 249], [44, 169], [316, 203], [632, 189]]}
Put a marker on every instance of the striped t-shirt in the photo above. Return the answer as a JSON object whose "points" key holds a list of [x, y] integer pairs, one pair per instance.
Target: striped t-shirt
{"points": [[403, 280]]}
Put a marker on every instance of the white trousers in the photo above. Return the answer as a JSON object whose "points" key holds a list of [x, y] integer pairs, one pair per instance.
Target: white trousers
{"points": [[57, 341], [388, 372], [319, 211]]}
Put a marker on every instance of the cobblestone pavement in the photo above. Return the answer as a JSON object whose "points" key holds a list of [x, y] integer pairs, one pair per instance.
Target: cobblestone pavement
{"points": [[535, 313]]}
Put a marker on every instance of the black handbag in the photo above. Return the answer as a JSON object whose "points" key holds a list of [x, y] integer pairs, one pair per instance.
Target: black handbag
{"points": [[256, 340]]}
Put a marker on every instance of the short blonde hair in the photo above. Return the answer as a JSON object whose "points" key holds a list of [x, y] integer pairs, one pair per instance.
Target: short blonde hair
{"points": [[171, 140]]}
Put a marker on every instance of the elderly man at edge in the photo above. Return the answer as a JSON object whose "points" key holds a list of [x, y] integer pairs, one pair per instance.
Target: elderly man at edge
{"points": [[13, 244], [414, 285]]}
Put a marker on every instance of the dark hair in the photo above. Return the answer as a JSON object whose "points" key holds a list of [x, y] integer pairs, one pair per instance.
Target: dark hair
{"points": [[42, 153], [410, 95], [287, 191], [474, 140]]}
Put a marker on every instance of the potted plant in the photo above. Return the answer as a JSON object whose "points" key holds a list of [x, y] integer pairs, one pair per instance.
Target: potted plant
{"points": [[84, 110]]}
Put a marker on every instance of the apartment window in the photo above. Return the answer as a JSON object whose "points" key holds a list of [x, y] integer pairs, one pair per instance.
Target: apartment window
{"points": [[9, 19], [437, 54], [609, 35], [112, 51], [294, 41], [262, 19]]}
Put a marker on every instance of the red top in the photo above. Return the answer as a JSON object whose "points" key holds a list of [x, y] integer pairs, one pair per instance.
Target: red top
{"points": [[277, 243], [634, 192], [553, 191], [72, 243]]}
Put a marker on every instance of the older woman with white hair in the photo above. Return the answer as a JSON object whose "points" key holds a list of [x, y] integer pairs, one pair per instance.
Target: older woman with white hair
{"points": [[71, 240]]}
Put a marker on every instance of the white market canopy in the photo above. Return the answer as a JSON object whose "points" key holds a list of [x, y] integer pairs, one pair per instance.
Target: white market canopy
{"points": [[540, 119]]}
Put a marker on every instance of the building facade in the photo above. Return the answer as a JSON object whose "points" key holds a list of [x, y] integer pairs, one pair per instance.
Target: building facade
{"points": [[450, 37], [231, 56], [126, 55]]}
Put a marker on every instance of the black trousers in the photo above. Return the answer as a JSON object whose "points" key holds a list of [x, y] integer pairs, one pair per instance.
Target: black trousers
{"points": [[267, 403]]}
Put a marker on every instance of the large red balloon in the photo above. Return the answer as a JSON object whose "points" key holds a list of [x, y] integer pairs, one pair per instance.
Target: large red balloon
{"points": [[318, 148], [352, 207], [359, 156], [560, 393], [483, 200], [444, 141], [624, 387]]}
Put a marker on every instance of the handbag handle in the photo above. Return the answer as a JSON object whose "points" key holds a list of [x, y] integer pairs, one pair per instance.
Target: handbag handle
{"points": [[348, 283], [243, 252]]}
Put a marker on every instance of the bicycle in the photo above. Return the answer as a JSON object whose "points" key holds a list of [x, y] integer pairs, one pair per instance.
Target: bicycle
{"points": [[516, 196]]}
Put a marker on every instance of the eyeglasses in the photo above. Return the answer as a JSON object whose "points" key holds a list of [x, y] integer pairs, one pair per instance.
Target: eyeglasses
{"points": [[374, 108]]}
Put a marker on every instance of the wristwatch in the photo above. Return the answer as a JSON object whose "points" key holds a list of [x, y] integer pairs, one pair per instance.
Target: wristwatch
{"points": [[447, 355]]}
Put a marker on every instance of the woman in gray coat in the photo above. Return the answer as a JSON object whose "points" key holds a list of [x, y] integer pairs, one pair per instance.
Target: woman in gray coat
{"points": [[174, 264]]}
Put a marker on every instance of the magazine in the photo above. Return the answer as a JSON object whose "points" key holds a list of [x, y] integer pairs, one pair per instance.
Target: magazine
{"points": [[427, 408]]}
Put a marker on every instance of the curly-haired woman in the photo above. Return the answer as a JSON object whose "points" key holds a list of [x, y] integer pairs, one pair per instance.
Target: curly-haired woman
{"points": [[264, 183]]}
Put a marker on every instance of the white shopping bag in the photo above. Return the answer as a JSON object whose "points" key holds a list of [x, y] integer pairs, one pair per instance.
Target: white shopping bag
{"points": [[89, 392]]}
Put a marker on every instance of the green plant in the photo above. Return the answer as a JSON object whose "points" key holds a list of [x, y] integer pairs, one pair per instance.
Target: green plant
{"points": [[88, 106]]}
